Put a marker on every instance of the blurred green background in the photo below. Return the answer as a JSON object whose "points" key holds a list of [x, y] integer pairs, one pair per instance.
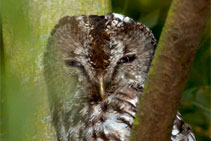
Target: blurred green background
{"points": [[17, 114], [195, 104]]}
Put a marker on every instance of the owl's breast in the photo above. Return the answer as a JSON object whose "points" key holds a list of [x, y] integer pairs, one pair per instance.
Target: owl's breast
{"points": [[112, 118], [109, 119]]}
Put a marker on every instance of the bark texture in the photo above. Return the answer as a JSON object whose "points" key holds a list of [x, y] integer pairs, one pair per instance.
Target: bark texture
{"points": [[177, 46]]}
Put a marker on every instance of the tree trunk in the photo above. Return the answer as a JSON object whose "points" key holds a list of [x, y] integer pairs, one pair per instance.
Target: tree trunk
{"points": [[26, 26], [163, 90]]}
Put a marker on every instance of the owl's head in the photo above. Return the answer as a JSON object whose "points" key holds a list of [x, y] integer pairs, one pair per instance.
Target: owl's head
{"points": [[97, 54]]}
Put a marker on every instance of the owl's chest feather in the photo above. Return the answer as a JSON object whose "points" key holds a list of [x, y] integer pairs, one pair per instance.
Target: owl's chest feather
{"points": [[110, 119]]}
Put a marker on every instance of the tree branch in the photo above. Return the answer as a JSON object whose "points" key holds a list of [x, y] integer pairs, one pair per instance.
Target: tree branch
{"points": [[178, 44]]}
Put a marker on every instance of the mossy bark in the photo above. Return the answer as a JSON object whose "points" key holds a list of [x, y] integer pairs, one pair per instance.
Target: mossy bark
{"points": [[26, 27], [177, 46]]}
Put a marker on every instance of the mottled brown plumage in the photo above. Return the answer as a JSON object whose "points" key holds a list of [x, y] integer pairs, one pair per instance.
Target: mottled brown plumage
{"points": [[95, 69]]}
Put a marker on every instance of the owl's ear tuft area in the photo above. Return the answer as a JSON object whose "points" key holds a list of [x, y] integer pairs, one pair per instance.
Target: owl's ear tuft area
{"points": [[65, 20]]}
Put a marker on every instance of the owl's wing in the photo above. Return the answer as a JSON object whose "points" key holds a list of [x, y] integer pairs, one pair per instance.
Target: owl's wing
{"points": [[181, 131]]}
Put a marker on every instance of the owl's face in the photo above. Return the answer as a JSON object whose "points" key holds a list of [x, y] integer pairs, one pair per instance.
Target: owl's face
{"points": [[102, 52], [95, 68]]}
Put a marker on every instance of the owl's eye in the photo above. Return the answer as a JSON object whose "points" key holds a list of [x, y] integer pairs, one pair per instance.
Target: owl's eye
{"points": [[127, 59], [73, 63]]}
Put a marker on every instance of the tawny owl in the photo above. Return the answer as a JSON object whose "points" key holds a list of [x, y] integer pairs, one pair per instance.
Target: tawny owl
{"points": [[95, 69]]}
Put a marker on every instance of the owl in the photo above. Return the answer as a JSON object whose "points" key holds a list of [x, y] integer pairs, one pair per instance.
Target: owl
{"points": [[95, 70]]}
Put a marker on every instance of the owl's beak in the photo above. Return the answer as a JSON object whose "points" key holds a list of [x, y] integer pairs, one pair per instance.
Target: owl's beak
{"points": [[101, 83]]}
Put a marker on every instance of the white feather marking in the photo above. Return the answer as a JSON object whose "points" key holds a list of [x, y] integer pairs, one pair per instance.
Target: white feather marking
{"points": [[175, 132], [119, 16], [134, 101]]}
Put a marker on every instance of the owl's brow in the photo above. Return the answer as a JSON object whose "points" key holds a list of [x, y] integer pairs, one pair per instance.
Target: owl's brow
{"points": [[129, 53], [72, 55], [125, 53]]}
